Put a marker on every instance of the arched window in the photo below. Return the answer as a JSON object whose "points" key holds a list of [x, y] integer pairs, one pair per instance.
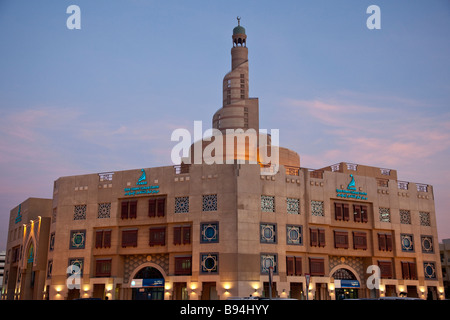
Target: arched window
{"points": [[343, 274], [148, 273]]}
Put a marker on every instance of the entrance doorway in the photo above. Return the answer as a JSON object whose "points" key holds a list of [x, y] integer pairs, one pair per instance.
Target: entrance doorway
{"points": [[266, 291], [180, 291], [297, 291], [346, 284], [322, 292], [346, 293], [148, 284], [148, 293], [209, 291], [432, 293]]}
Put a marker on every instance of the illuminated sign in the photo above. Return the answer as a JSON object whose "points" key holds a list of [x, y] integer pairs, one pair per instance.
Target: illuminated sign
{"points": [[346, 284], [139, 283], [141, 190], [142, 187], [350, 192], [19, 215]]}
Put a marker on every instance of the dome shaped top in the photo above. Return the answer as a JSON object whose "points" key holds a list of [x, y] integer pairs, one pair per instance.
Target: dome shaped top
{"points": [[239, 30]]}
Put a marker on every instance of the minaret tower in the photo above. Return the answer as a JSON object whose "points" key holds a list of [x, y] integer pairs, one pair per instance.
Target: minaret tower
{"points": [[238, 110]]}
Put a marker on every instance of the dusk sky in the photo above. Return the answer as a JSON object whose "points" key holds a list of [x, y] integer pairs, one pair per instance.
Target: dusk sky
{"points": [[108, 96]]}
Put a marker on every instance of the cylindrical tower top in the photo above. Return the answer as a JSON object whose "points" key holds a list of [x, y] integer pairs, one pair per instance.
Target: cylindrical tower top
{"points": [[239, 36]]}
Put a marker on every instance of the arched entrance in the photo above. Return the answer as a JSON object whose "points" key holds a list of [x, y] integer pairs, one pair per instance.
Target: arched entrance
{"points": [[346, 284], [148, 284]]}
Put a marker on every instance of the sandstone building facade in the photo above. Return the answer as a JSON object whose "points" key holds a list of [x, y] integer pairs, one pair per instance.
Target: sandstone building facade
{"points": [[201, 231]]}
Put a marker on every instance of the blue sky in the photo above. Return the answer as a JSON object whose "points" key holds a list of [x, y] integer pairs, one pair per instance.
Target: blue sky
{"points": [[107, 97]]}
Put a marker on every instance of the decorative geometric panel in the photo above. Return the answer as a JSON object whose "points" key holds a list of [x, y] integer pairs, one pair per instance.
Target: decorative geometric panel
{"points": [[356, 264], [268, 233], [77, 239], [385, 214], [429, 269], [54, 215], [407, 242], [294, 235], [132, 262], [293, 205], [209, 232], [405, 216], [182, 204], [76, 262], [267, 261], [427, 244], [210, 202], [79, 212], [317, 208], [104, 210], [267, 204], [424, 218], [209, 262]]}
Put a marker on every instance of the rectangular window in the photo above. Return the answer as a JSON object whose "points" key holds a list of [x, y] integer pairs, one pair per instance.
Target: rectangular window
{"points": [[409, 270], [103, 239], [317, 237], [364, 214], [157, 236], [133, 209], [182, 235], [384, 183], [157, 207], [103, 267], [338, 211], [357, 213], [385, 269], [321, 237], [314, 237], [128, 209], [359, 240], [341, 239], [183, 265], [316, 266], [384, 242], [129, 238], [294, 266], [385, 214], [341, 211]]}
